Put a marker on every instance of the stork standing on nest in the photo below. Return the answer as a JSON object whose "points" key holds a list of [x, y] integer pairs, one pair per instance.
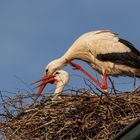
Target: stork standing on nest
{"points": [[105, 52], [60, 78]]}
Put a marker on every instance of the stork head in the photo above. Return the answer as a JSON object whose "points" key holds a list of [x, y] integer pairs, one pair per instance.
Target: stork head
{"points": [[50, 73], [53, 66], [61, 77], [61, 80]]}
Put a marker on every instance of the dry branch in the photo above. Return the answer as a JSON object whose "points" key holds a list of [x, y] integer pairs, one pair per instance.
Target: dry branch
{"points": [[74, 117]]}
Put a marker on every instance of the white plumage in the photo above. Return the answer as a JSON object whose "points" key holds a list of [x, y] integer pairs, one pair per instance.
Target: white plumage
{"points": [[61, 80], [105, 52], [102, 50]]}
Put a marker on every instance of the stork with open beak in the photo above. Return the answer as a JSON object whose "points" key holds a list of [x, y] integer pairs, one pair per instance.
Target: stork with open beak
{"points": [[105, 52], [60, 78]]}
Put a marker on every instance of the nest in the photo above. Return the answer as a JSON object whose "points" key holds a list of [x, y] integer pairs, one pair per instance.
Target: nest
{"points": [[73, 117]]}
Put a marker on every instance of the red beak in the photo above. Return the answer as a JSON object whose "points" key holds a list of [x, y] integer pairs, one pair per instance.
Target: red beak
{"points": [[45, 80]]}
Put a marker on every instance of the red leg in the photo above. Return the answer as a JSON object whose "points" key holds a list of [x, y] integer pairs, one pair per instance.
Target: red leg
{"points": [[78, 67], [105, 85]]}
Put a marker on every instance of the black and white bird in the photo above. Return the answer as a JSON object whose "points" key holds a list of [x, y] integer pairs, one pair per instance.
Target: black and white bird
{"points": [[105, 52]]}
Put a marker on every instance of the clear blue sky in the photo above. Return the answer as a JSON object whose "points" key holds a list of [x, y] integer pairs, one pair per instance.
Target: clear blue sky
{"points": [[34, 32]]}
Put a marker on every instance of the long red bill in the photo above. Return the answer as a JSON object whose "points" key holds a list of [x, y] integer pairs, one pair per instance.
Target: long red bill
{"points": [[45, 80]]}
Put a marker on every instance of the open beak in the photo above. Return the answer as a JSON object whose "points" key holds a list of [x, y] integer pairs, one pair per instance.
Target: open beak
{"points": [[44, 81]]}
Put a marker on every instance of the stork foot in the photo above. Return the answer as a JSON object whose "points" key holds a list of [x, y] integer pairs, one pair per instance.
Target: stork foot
{"points": [[105, 93]]}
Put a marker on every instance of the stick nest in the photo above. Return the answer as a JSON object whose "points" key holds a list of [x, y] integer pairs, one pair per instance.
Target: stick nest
{"points": [[73, 117]]}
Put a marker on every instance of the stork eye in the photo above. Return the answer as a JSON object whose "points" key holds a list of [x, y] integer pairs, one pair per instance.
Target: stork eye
{"points": [[46, 71], [57, 73]]}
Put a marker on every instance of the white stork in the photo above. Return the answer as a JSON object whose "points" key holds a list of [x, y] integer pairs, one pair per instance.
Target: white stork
{"points": [[105, 52], [60, 78]]}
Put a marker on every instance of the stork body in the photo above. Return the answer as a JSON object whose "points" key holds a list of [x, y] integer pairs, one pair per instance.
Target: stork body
{"points": [[102, 50], [105, 52]]}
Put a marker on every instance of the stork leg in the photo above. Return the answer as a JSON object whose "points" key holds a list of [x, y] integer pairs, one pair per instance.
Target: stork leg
{"points": [[102, 86], [104, 78]]}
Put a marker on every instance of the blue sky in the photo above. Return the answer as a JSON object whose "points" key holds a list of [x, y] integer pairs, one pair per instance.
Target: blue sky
{"points": [[34, 32]]}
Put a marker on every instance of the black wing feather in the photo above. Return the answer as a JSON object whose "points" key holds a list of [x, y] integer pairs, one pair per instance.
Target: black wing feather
{"points": [[131, 58], [129, 45], [128, 58]]}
